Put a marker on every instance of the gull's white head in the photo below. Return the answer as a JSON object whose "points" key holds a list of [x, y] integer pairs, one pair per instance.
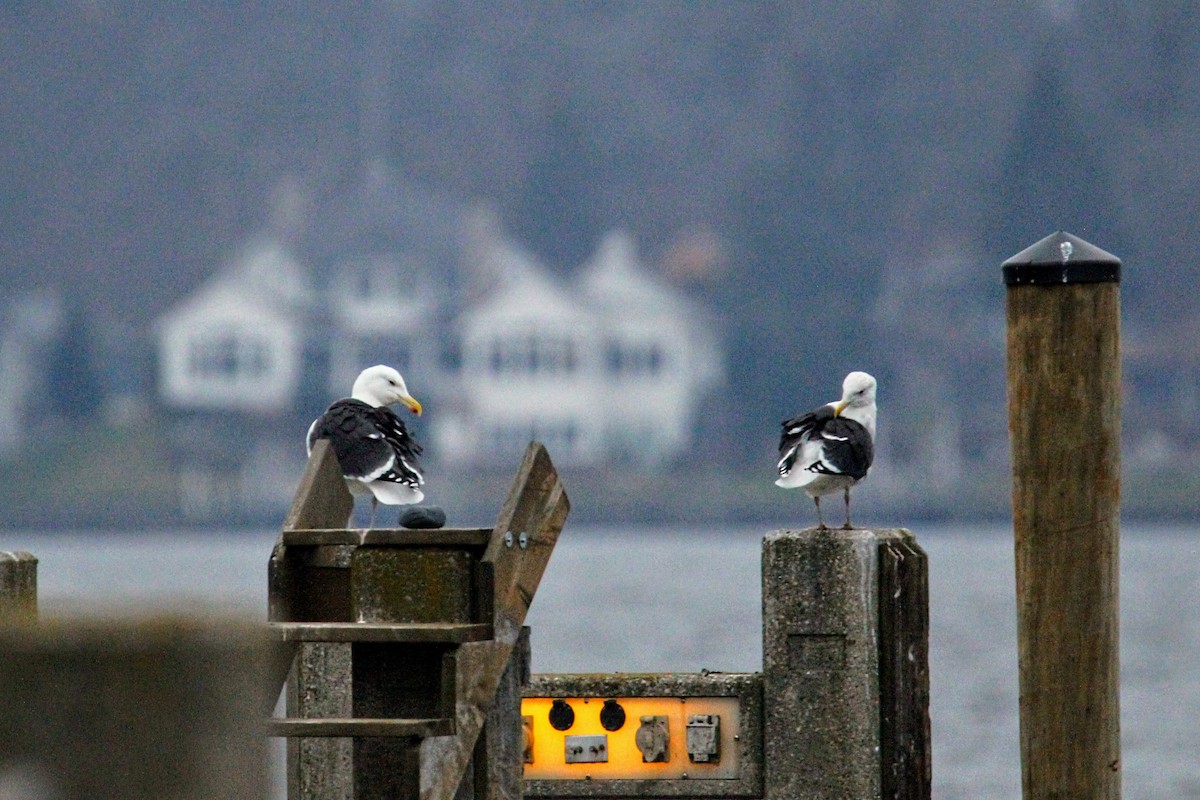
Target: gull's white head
{"points": [[858, 391], [381, 386]]}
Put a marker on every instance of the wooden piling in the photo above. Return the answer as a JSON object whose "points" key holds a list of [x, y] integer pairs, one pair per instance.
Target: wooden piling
{"points": [[1064, 381], [18, 587]]}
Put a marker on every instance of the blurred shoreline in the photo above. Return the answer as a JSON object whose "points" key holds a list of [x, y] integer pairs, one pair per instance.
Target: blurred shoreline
{"points": [[889, 497]]}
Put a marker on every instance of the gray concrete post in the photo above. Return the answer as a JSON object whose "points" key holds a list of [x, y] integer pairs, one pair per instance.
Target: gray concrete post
{"points": [[845, 665], [109, 710], [18, 587], [321, 688]]}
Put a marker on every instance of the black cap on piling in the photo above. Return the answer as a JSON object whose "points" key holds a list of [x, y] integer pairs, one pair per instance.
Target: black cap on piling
{"points": [[1061, 258]]}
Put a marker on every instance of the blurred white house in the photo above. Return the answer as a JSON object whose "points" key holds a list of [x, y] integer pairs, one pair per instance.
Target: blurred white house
{"points": [[611, 366], [236, 343]]}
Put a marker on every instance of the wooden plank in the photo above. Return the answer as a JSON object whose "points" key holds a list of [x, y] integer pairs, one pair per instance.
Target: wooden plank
{"points": [[904, 731], [394, 537], [280, 657], [521, 544], [499, 764], [411, 632], [537, 507], [360, 727], [405, 584], [18, 587], [322, 768], [312, 584], [322, 499]]}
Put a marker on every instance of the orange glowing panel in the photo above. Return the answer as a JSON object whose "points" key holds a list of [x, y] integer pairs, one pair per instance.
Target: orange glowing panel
{"points": [[555, 748]]}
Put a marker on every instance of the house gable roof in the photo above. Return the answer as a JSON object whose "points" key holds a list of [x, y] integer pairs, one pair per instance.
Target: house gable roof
{"points": [[521, 290], [262, 280]]}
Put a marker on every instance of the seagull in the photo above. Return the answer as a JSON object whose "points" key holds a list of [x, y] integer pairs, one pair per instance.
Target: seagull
{"points": [[832, 447], [377, 455]]}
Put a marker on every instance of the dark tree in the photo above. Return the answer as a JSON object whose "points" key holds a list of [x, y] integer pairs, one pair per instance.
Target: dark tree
{"points": [[72, 380]]}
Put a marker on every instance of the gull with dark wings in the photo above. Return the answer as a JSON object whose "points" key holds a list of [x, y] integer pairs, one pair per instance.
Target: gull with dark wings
{"points": [[377, 455], [831, 449]]}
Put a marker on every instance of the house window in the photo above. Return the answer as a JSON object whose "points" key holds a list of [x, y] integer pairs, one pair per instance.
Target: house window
{"points": [[213, 356], [532, 355], [228, 356], [635, 358], [254, 357], [368, 279], [552, 355]]}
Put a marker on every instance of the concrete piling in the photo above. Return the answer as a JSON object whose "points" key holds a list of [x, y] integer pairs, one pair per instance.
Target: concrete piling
{"points": [[843, 611]]}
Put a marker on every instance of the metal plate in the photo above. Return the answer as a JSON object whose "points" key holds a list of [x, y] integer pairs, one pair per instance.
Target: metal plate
{"points": [[591, 749]]}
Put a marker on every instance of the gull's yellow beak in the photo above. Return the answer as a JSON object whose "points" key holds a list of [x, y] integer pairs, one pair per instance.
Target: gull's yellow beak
{"points": [[839, 408], [412, 404]]}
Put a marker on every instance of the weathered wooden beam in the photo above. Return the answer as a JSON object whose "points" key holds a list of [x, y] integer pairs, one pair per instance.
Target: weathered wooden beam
{"points": [[321, 688], [412, 632], [411, 585], [392, 537], [498, 763], [322, 499], [361, 726], [18, 587], [316, 587], [906, 758], [524, 537], [1064, 397]]}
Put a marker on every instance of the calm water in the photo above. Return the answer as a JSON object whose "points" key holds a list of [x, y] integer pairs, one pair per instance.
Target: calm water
{"points": [[654, 600]]}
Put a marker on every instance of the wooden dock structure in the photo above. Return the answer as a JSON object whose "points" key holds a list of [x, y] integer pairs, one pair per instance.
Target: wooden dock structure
{"points": [[397, 645]]}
